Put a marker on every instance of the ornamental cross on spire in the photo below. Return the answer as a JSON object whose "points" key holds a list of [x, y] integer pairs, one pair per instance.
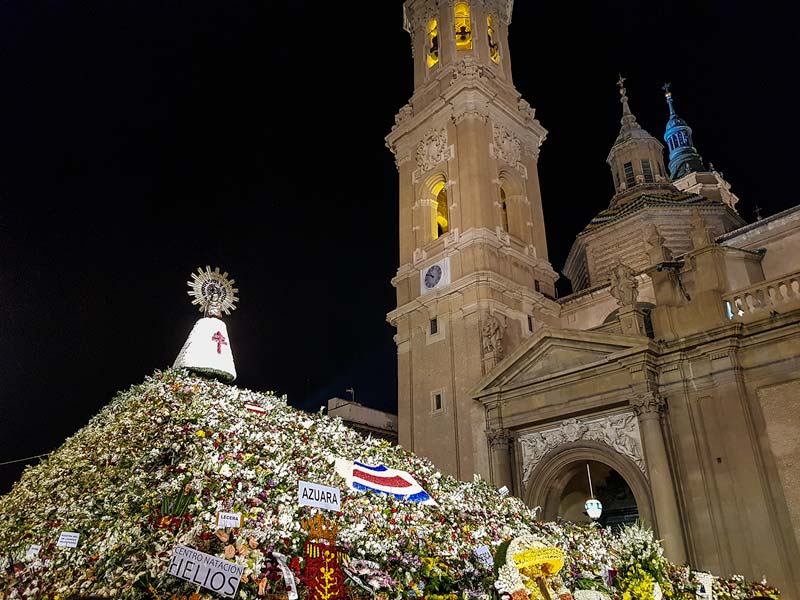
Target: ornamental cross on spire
{"points": [[621, 84], [668, 96]]}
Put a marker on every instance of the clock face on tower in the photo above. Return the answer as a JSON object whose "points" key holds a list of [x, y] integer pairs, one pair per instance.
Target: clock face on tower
{"points": [[432, 276], [435, 276]]}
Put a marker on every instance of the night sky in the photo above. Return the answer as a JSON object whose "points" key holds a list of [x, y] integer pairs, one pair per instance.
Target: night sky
{"points": [[140, 140]]}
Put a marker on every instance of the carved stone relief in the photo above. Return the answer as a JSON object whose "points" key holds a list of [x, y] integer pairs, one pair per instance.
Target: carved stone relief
{"points": [[528, 113], [403, 115], [506, 146], [467, 68], [492, 336], [620, 432], [624, 286], [432, 149]]}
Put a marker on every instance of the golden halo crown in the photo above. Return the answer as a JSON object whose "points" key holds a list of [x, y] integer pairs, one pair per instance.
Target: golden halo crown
{"points": [[212, 291]]}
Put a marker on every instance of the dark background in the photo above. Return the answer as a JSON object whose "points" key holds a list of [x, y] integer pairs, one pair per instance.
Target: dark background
{"points": [[140, 140]]}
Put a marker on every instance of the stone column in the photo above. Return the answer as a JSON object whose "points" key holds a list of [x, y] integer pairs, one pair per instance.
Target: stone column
{"points": [[649, 408], [500, 443]]}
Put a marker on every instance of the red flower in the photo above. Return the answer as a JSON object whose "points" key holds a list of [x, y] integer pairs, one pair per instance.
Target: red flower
{"points": [[294, 564]]}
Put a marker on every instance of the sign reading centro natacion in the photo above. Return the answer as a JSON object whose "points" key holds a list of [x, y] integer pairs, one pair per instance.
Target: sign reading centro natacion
{"points": [[210, 572]]}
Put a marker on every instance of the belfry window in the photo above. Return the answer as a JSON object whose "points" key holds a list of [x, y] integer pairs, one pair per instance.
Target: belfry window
{"points": [[463, 26], [503, 210], [433, 43], [441, 223], [647, 171], [630, 178], [494, 47]]}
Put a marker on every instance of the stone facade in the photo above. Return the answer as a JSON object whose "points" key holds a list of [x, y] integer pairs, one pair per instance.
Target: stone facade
{"points": [[675, 361]]}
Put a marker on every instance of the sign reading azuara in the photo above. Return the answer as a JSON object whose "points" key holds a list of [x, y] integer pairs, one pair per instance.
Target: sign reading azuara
{"points": [[319, 496], [210, 572]]}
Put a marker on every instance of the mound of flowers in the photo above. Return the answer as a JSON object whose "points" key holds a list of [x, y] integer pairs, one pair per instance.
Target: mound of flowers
{"points": [[155, 467]]}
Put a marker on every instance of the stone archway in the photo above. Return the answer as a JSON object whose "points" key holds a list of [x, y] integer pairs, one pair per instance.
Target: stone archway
{"points": [[554, 471]]}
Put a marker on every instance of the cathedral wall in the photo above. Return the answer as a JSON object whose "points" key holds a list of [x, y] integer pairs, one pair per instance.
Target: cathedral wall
{"points": [[743, 536], [534, 196], [736, 454], [407, 233], [783, 437], [434, 431], [473, 191], [779, 235]]}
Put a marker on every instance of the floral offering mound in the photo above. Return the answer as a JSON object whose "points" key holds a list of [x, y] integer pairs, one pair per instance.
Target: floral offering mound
{"points": [[154, 469]]}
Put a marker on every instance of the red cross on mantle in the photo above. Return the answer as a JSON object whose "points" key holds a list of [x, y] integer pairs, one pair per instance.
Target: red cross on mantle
{"points": [[220, 339]]}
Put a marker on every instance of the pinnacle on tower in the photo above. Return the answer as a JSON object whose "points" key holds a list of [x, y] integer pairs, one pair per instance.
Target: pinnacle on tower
{"points": [[683, 157], [207, 350], [628, 120], [636, 158]]}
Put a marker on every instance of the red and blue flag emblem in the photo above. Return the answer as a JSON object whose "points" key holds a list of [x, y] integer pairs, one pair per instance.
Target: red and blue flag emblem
{"points": [[382, 480]]}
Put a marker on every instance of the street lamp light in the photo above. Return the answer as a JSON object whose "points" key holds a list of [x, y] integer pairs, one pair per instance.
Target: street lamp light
{"points": [[593, 506]]}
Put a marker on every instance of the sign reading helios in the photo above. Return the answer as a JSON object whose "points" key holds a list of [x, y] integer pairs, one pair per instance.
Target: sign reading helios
{"points": [[211, 572]]}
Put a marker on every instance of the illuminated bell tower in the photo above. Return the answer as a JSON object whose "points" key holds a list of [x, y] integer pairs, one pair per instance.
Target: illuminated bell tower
{"points": [[474, 278]]}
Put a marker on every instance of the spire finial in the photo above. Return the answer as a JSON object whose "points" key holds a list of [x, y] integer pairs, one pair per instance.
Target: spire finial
{"points": [[621, 84], [668, 96], [628, 120]]}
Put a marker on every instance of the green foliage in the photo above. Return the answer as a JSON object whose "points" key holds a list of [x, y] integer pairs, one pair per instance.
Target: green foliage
{"points": [[175, 504]]}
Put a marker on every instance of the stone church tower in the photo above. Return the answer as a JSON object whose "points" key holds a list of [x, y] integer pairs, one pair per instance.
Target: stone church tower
{"points": [[474, 278]]}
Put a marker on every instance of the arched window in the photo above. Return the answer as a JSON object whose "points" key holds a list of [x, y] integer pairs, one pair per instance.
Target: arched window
{"points": [[494, 47], [433, 43], [647, 171], [463, 25], [503, 210], [441, 222]]}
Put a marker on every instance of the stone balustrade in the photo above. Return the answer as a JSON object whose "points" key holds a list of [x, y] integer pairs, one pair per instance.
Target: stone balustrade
{"points": [[764, 299]]}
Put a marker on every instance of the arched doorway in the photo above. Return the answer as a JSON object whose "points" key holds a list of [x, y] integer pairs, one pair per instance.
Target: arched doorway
{"points": [[608, 486], [559, 484]]}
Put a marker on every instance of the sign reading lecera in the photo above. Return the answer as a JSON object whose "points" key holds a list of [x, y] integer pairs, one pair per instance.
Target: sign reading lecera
{"points": [[68, 539], [211, 572], [229, 519], [319, 496]]}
